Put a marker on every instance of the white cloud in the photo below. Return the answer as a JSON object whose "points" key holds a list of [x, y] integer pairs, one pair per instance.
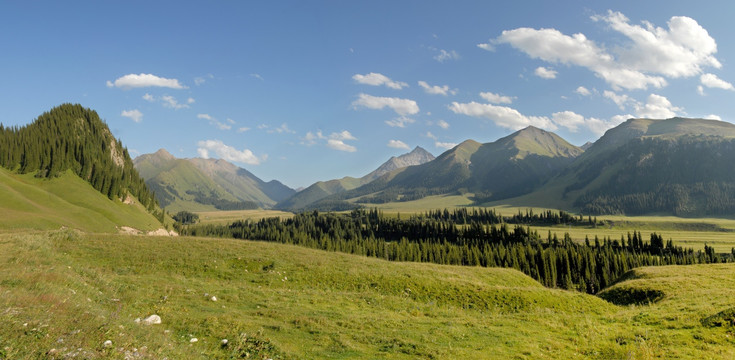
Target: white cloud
{"points": [[436, 89], [134, 115], [446, 55], [311, 138], [444, 145], [344, 135], [679, 51], [340, 145], [545, 73], [227, 152], [283, 129], [171, 102], [201, 79], [257, 76], [243, 129], [190, 100], [486, 46], [400, 106], [582, 91], [502, 116], [376, 79], [400, 121], [646, 55], [619, 100], [442, 124], [496, 98], [213, 121], [144, 80], [656, 107], [148, 97], [700, 90], [568, 119], [713, 117], [397, 144], [712, 81]]}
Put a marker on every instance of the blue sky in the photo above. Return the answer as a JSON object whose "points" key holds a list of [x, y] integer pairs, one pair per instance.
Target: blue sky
{"points": [[305, 91]]}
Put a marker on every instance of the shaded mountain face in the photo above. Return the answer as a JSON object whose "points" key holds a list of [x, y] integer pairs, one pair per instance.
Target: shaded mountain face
{"points": [[206, 184], [512, 165], [323, 189], [675, 166]]}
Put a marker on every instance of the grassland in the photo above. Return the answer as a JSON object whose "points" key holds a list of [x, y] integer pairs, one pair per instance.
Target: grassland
{"points": [[65, 293], [43, 204], [226, 217]]}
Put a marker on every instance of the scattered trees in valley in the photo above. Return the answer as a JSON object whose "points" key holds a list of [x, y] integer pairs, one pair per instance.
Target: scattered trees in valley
{"points": [[478, 238]]}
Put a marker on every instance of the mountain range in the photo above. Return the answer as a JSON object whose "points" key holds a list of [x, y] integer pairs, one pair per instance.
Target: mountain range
{"points": [[674, 166]]}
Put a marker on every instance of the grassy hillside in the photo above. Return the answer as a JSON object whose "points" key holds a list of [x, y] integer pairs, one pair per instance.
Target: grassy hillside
{"points": [[29, 202], [65, 293]]}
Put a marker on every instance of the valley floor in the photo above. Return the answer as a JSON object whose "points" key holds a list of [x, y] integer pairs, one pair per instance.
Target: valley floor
{"points": [[64, 294]]}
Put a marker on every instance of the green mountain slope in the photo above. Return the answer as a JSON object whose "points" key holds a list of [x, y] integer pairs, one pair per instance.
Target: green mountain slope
{"points": [[323, 189], [206, 184], [674, 166], [67, 169], [513, 165], [29, 202]]}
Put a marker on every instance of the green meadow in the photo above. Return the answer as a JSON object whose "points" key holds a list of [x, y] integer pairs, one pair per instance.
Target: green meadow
{"points": [[65, 293]]}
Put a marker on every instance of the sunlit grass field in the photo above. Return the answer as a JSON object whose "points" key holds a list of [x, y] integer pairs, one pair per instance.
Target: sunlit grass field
{"points": [[64, 294]]}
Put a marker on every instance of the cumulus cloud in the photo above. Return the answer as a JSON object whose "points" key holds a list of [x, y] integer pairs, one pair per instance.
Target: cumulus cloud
{"points": [[148, 97], [226, 152], [656, 107], [619, 100], [568, 119], [442, 124], [400, 121], [376, 79], [340, 145], [144, 80], [436, 89], [545, 73], [243, 129], [446, 55], [713, 117], [134, 115], [397, 144], [400, 106], [214, 122], [486, 46], [496, 98], [712, 81], [335, 140], [171, 102], [444, 145], [647, 55], [502, 116], [583, 91]]}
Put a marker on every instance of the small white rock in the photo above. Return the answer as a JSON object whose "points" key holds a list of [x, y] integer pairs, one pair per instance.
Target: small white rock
{"points": [[193, 340], [153, 319], [224, 342], [107, 343], [213, 298]]}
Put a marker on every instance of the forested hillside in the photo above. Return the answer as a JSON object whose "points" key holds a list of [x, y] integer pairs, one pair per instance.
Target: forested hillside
{"points": [[675, 166], [71, 137]]}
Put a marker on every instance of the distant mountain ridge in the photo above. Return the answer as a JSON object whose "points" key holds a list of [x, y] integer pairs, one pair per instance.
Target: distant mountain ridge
{"points": [[507, 167], [674, 166], [323, 189], [206, 184]]}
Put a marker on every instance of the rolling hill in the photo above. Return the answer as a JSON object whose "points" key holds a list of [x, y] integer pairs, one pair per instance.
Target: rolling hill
{"points": [[206, 184], [675, 166], [322, 189]]}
